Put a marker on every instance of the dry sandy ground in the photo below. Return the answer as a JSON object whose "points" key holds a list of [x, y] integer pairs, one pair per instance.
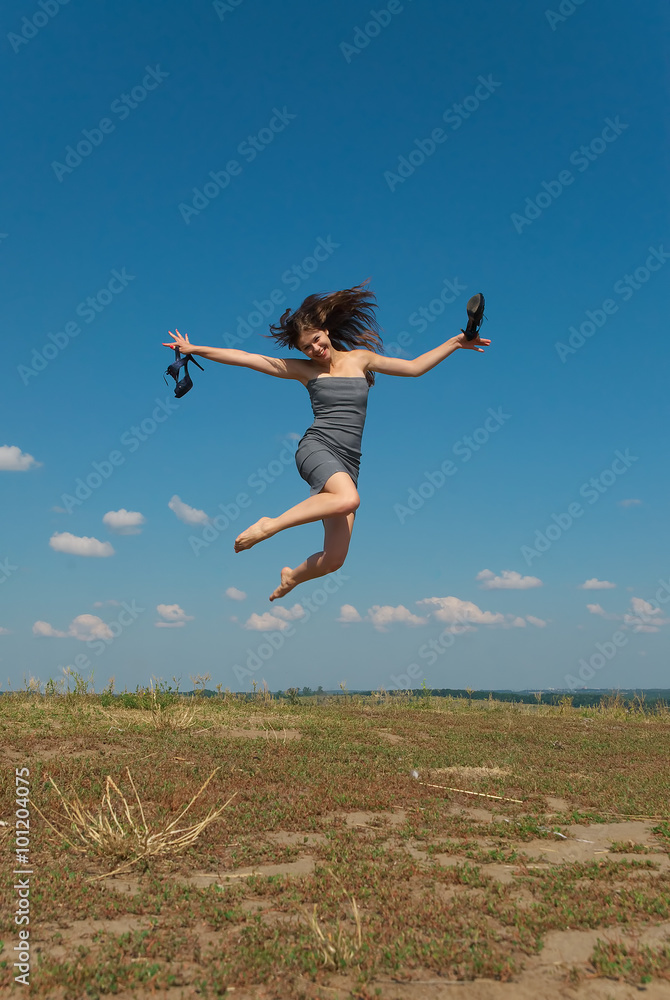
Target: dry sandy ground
{"points": [[544, 977]]}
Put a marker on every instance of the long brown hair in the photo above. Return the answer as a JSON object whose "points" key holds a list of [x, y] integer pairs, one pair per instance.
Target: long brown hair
{"points": [[347, 315]]}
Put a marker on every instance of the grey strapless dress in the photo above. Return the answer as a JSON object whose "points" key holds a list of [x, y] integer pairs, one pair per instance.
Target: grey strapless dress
{"points": [[333, 442]]}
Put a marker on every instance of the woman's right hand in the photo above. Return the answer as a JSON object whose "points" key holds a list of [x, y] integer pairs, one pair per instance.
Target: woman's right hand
{"points": [[180, 343]]}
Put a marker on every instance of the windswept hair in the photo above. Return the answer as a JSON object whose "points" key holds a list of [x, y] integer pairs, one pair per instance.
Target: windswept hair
{"points": [[348, 316]]}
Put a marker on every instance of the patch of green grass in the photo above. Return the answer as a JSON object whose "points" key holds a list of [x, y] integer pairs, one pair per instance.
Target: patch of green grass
{"points": [[456, 920], [632, 964], [662, 831], [628, 847]]}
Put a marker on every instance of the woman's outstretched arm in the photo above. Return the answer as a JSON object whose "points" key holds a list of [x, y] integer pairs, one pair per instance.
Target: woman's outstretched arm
{"points": [[428, 360], [279, 367], [413, 367], [225, 355]]}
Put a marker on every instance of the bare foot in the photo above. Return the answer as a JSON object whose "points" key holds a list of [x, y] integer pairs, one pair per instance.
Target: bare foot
{"points": [[286, 584], [255, 533]]}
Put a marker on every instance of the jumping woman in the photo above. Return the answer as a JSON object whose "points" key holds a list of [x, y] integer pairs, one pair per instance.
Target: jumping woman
{"points": [[337, 333]]}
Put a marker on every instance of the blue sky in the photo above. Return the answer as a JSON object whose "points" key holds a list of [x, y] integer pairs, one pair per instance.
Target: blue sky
{"points": [[169, 166]]}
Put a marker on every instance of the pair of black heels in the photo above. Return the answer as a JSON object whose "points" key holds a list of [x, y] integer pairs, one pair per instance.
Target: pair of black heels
{"points": [[185, 383]]}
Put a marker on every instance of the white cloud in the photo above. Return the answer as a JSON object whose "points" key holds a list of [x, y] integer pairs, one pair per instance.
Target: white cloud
{"points": [[124, 522], [64, 541], [595, 584], [383, 615], [45, 629], [172, 614], [596, 609], [189, 515], [83, 627], [297, 611], [169, 624], [459, 616], [629, 503], [103, 604], [4, 631], [508, 580], [264, 623], [454, 611], [277, 619], [12, 459], [640, 617], [643, 616], [235, 595], [348, 613], [642, 607]]}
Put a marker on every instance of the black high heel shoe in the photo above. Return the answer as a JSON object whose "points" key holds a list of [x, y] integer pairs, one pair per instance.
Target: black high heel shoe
{"points": [[475, 310], [182, 385]]}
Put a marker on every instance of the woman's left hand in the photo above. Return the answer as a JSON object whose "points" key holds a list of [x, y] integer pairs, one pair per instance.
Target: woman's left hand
{"points": [[180, 342], [478, 344]]}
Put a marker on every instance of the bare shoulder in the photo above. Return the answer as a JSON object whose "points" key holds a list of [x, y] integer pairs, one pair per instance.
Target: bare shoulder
{"points": [[298, 369], [365, 358], [362, 359]]}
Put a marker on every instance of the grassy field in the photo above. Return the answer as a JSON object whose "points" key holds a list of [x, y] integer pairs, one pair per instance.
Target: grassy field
{"points": [[358, 847]]}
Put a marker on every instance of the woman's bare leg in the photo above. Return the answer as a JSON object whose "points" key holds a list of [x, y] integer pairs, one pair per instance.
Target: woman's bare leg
{"points": [[337, 535], [309, 570], [337, 497]]}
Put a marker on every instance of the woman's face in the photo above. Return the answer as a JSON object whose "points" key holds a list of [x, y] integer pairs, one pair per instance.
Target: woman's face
{"points": [[316, 345]]}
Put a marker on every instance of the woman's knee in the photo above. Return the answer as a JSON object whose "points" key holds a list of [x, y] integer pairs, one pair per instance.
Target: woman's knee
{"points": [[348, 502], [332, 561]]}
